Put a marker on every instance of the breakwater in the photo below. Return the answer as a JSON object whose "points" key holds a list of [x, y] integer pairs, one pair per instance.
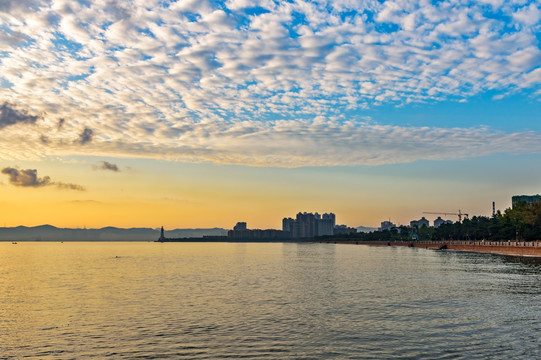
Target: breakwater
{"points": [[490, 247]]}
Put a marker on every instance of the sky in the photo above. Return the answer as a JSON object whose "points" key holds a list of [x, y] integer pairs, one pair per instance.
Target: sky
{"points": [[202, 113]]}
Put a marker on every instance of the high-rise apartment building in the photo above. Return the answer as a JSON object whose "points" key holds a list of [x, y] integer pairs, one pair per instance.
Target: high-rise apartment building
{"points": [[420, 223], [307, 225], [439, 221], [326, 224], [529, 199], [287, 224], [386, 225]]}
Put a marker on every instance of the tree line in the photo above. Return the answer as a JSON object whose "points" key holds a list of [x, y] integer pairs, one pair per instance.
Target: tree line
{"points": [[522, 222]]}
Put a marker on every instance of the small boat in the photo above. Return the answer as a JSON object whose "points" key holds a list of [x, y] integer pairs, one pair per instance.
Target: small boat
{"points": [[442, 246], [14, 242]]}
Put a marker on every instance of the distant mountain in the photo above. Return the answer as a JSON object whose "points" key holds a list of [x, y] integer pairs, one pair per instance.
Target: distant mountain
{"points": [[366, 229], [51, 233]]}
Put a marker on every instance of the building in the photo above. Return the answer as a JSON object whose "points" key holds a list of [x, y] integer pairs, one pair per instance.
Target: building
{"points": [[308, 225], [529, 199], [325, 225], [305, 225], [439, 221], [287, 224], [386, 225], [343, 230], [241, 232], [420, 223], [240, 226]]}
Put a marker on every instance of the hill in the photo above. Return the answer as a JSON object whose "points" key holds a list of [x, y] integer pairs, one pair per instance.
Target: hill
{"points": [[366, 229], [52, 233]]}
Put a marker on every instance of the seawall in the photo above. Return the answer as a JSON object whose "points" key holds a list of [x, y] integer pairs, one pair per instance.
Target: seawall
{"points": [[489, 247]]}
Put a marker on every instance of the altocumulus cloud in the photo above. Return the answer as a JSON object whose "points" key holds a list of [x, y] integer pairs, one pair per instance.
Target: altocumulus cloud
{"points": [[316, 143], [86, 136], [11, 115], [30, 178], [186, 79]]}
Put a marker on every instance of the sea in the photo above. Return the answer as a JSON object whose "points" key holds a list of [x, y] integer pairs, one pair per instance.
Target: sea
{"points": [[145, 300]]}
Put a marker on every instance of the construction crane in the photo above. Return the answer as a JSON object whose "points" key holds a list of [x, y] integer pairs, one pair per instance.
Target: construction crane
{"points": [[459, 214]]}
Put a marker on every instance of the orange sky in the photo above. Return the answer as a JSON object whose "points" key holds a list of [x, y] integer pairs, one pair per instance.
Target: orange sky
{"points": [[152, 193]]}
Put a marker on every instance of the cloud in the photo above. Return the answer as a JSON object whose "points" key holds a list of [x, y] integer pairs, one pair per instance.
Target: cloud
{"points": [[85, 202], [30, 178], [321, 142], [44, 140], [291, 143], [10, 115], [9, 6], [61, 123], [68, 186], [238, 81], [86, 136], [25, 178], [529, 15], [105, 165], [12, 40]]}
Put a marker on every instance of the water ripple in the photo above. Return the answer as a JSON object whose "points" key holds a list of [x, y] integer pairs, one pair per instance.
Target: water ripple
{"points": [[264, 301]]}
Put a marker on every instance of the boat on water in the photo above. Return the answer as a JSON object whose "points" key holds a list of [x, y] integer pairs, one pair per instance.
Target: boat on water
{"points": [[14, 242]]}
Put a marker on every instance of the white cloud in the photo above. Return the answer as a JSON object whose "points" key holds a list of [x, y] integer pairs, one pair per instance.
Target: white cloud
{"points": [[195, 6], [525, 59], [528, 15], [288, 143], [494, 3], [180, 80]]}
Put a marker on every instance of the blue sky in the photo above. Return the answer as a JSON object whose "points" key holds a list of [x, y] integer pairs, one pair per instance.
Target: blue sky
{"points": [[273, 84]]}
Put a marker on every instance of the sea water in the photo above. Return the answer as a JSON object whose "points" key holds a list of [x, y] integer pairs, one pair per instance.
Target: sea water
{"points": [[264, 301]]}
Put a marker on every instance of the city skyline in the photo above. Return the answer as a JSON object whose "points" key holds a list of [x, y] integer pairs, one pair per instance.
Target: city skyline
{"points": [[199, 113]]}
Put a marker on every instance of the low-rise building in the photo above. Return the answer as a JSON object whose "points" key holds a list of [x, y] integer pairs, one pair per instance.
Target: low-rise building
{"points": [[241, 232], [343, 230], [240, 226]]}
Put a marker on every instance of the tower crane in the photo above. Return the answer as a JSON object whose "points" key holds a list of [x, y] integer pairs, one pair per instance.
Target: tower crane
{"points": [[459, 214]]}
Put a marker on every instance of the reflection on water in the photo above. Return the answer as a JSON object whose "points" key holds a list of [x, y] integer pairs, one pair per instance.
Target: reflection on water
{"points": [[297, 301], [527, 260]]}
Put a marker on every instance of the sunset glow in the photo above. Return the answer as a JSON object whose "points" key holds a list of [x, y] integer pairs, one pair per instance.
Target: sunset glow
{"points": [[204, 113]]}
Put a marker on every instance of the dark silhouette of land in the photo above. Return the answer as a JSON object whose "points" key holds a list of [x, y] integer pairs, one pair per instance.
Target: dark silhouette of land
{"points": [[52, 233]]}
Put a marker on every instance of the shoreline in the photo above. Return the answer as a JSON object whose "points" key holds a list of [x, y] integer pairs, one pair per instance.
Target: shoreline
{"points": [[525, 249]]}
